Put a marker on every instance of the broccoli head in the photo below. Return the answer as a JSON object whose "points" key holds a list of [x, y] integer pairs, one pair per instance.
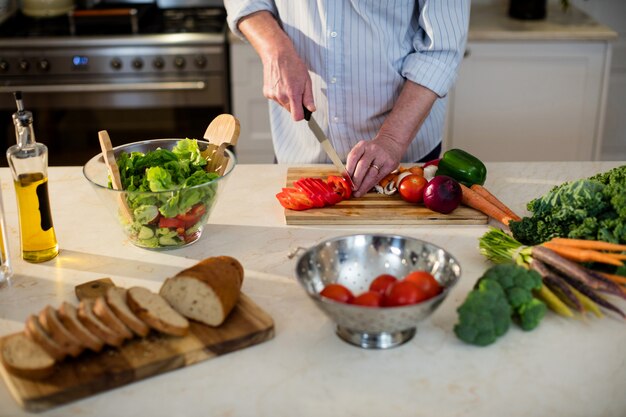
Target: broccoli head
{"points": [[529, 315], [484, 315], [516, 281]]}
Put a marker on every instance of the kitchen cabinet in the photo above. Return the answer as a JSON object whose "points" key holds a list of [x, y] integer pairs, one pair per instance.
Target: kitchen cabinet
{"points": [[532, 101], [249, 105]]}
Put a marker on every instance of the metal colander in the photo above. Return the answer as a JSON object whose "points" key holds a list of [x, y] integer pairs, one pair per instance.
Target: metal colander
{"points": [[355, 261]]}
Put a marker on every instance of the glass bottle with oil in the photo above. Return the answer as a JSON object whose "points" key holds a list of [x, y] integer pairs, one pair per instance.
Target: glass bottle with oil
{"points": [[28, 161]]}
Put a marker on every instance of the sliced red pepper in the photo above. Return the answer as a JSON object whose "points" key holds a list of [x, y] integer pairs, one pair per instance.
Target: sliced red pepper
{"points": [[192, 216], [293, 199], [318, 187], [312, 191], [340, 186]]}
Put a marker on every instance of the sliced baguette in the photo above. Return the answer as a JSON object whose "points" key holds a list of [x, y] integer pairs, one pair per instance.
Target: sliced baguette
{"points": [[37, 334], [25, 358], [52, 325], [96, 326], [116, 299], [102, 310], [156, 312], [206, 292], [69, 317]]}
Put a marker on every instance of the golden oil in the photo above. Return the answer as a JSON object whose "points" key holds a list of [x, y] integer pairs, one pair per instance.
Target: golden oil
{"points": [[39, 242]]}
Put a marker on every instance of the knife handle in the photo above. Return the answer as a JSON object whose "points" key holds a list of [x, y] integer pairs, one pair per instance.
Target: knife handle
{"points": [[307, 113]]}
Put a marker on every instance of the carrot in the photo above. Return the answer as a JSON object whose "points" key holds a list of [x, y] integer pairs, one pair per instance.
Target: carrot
{"points": [[588, 244], [618, 279], [582, 255], [486, 194], [474, 200]]}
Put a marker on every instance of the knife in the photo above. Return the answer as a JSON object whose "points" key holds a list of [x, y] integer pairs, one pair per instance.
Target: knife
{"points": [[327, 146]]}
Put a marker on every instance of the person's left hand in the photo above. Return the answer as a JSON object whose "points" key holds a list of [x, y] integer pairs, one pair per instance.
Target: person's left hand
{"points": [[370, 161]]}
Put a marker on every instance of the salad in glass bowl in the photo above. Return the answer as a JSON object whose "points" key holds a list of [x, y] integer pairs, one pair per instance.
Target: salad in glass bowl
{"points": [[168, 189]]}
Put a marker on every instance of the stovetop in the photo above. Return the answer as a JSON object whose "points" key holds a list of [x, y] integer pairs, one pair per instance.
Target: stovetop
{"points": [[148, 20]]}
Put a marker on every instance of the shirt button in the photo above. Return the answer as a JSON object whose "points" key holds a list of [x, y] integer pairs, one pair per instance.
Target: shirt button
{"points": [[333, 34], [333, 80], [335, 119]]}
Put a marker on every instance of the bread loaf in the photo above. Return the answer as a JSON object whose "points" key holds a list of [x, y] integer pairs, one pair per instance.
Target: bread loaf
{"points": [[52, 325], [156, 312], [69, 317], [25, 358], [96, 326], [37, 334], [206, 292], [102, 310], [116, 299]]}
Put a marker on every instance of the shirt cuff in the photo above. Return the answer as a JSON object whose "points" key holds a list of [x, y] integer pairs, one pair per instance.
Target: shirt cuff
{"points": [[240, 9], [431, 72]]}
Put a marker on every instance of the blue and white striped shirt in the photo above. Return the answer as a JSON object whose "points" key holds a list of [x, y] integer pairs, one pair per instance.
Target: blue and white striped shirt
{"points": [[359, 54]]}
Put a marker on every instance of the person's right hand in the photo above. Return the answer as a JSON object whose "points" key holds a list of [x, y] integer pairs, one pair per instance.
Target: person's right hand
{"points": [[286, 80]]}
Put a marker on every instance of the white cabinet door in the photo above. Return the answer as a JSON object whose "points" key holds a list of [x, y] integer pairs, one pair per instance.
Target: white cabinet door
{"points": [[249, 105], [525, 101]]}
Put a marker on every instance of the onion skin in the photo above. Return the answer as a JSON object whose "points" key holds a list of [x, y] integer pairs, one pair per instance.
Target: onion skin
{"points": [[442, 194]]}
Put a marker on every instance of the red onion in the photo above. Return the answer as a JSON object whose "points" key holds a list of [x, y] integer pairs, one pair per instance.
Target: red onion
{"points": [[442, 194]]}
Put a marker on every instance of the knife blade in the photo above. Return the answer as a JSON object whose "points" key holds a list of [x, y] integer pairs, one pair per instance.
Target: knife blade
{"points": [[327, 146]]}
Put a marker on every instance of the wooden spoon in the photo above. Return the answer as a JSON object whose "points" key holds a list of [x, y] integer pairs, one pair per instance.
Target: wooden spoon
{"points": [[222, 132], [114, 172]]}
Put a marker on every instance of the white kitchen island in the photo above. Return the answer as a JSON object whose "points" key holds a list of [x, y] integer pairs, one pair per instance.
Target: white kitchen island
{"points": [[566, 367]]}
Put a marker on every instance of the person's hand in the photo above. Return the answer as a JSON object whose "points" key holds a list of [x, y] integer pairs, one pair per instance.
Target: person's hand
{"points": [[286, 80], [370, 161]]}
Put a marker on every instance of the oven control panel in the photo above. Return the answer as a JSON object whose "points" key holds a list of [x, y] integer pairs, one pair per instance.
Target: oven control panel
{"points": [[112, 60]]}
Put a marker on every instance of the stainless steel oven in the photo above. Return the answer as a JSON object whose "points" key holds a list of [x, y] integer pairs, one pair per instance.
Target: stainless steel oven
{"points": [[138, 70]]}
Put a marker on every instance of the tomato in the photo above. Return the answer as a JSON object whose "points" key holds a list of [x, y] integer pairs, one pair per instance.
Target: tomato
{"points": [[340, 186], [425, 282], [368, 299], [172, 222], [293, 199], [412, 188], [337, 292], [192, 216], [382, 282], [403, 293]]}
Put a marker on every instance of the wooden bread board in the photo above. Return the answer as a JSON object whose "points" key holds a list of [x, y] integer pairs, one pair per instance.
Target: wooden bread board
{"points": [[139, 358], [372, 208]]}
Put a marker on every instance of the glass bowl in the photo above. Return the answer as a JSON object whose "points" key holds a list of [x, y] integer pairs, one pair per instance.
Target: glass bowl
{"points": [[355, 261], [141, 213]]}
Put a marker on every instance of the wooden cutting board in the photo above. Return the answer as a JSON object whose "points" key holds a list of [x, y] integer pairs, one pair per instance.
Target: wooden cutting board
{"points": [[139, 358], [372, 208]]}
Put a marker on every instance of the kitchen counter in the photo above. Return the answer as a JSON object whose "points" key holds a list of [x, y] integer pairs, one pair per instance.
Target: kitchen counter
{"points": [[566, 367]]}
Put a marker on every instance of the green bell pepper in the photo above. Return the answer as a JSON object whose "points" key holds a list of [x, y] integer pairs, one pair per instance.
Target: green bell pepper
{"points": [[463, 167]]}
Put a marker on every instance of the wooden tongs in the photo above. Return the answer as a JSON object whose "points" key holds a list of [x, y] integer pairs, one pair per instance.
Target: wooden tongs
{"points": [[114, 173], [222, 132]]}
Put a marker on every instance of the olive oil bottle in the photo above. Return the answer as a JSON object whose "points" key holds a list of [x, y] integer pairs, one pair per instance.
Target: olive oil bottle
{"points": [[28, 161]]}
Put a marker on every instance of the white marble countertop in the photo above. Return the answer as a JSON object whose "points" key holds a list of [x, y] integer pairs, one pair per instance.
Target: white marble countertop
{"points": [[566, 367]]}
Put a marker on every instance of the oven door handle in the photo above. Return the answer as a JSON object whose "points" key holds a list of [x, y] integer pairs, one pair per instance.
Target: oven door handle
{"points": [[108, 87]]}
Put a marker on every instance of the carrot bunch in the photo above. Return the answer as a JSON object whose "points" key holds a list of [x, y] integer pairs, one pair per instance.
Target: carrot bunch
{"points": [[568, 268]]}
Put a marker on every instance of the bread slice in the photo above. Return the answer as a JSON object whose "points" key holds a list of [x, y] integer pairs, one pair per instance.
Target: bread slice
{"points": [[96, 326], [116, 299], [25, 358], [206, 292], [37, 334], [156, 312], [52, 325], [69, 317], [102, 310]]}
